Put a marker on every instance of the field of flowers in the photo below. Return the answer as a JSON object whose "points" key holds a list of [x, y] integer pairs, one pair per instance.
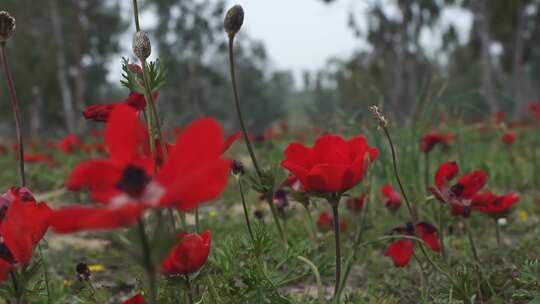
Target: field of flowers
{"points": [[373, 213]]}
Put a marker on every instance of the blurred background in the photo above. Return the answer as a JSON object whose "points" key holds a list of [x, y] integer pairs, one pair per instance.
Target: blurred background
{"points": [[306, 62]]}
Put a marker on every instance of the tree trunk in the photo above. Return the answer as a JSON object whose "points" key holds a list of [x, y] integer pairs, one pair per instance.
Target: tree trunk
{"points": [[519, 47], [77, 71], [61, 66], [480, 11]]}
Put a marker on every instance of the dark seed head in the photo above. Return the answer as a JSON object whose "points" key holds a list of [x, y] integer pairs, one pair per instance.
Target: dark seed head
{"points": [[134, 181], [237, 168], [7, 26], [259, 214], [83, 272], [234, 20], [141, 45]]}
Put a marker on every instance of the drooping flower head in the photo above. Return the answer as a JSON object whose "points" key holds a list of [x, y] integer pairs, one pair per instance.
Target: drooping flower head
{"points": [[460, 194], [332, 165], [194, 172], [189, 255], [401, 250], [392, 198], [432, 139]]}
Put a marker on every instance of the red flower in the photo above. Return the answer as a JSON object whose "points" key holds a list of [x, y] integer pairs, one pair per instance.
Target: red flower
{"points": [[401, 250], [102, 111], [357, 203], [495, 205], [23, 223], [325, 221], [193, 173], [460, 194], [509, 138], [69, 143], [332, 165], [431, 139], [136, 299], [393, 199], [189, 255], [534, 107], [39, 158]]}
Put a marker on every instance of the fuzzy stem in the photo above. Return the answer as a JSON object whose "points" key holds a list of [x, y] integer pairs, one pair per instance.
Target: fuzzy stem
{"points": [[335, 210], [16, 112], [148, 263], [246, 212], [396, 173], [136, 14]]}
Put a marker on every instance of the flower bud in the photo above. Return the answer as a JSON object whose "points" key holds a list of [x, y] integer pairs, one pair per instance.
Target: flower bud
{"points": [[233, 20], [7, 26], [141, 45]]}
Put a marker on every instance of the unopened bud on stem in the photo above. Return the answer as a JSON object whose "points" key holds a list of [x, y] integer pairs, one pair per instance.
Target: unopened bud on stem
{"points": [[383, 122], [141, 45], [7, 26], [234, 20]]}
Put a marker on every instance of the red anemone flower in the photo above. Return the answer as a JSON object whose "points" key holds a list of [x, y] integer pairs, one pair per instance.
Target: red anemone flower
{"points": [[509, 138], [69, 143], [393, 199], [401, 250], [357, 203], [189, 255], [325, 221], [39, 158], [194, 172], [332, 164], [495, 205], [431, 139], [459, 195], [136, 299], [23, 223], [101, 111], [534, 107]]}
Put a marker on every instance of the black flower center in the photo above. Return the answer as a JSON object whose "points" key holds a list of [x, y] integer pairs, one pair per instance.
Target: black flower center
{"points": [[134, 180], [6, 255], [457, 189]]}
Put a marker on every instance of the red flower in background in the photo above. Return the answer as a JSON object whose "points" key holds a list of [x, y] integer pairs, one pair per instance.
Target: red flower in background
{"points": [[136, 299], [102, 111], [431, 139], [509, 138], [357, 203], [393, 199], [189, 255], [193, 173], [70, 143], [534, 107], [332, 165], [325, 221], [459, 195], [495, 205], [23, 223], [39, 158], [401, 250]]}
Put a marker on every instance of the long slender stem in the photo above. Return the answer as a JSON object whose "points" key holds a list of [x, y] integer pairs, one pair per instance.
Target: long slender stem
{"points": [[16, 288], [189, 290], [396, 173], [335, 210], [476, 257], [148, 263], [246, 212], [237, 106], [442, 229], [315, 270], [136, 14], [16, 113], [45, 273], [197, 224], [426, 169]]}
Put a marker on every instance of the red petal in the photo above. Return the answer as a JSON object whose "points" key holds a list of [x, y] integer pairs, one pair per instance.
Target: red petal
{"points": [[472, 183], [298, 156], [189, 255], [330, 178], [446, 172], [5, 268], [124, 134], [137, 299], [24, 225], [78, 218], [332, 149], [400, 251], [428, 233], [230, 140], [98, 176]]}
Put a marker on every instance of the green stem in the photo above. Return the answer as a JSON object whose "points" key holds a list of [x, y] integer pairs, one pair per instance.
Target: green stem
{"points": [[476, 257], [442, 228], [45, 273], [16, 112], [246, 212], [315, 270], [148, 263], [497, 232], [136, 14], [197, 224], [310, 224], [335, 210], [189, 290], [426, 169], [16, 289]]}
